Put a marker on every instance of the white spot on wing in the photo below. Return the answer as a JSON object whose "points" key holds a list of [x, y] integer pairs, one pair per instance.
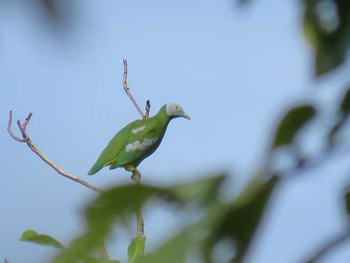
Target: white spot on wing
{"points": [[136, 130], [140, 145]]}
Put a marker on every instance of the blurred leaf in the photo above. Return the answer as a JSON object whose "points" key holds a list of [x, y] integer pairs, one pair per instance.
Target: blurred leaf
{"points": [[345, 103], [243, 2], [172, 251], [292, 122], [333, 132], [202, 190], [136, 248], [96, 260], [242, 217], [343, 112], [347, 201], [50, 7], [41, 239], [327, 27], [117, 203]]}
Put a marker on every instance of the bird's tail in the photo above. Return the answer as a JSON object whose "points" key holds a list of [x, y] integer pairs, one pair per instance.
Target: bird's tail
{"points": [[95, 168]]}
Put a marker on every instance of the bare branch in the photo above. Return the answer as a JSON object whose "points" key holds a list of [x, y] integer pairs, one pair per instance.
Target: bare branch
{"points": [[147, 108], [31, 145], [10, 131], [140, 231], [140, 224], [127, 90]]}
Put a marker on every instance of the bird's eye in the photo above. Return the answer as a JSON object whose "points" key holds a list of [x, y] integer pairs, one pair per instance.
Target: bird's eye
{"points": [[176, 107]]}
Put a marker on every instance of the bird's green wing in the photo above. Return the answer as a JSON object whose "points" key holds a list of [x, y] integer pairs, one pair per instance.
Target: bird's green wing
{"points": [[142, 142], [116, 144]]}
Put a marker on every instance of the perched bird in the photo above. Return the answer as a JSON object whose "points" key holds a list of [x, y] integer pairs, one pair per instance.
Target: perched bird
{"points": [[137, 140]]}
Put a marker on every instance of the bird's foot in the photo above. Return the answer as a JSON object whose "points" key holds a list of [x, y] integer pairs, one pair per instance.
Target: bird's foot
{"points": [[136, 176]]}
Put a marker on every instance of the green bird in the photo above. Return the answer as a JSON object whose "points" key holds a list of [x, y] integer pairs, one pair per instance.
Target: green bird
{"points": [[137, 140]]}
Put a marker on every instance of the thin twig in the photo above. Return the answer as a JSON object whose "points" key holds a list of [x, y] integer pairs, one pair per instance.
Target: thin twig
{"points": [[328, 247], [140, 231], [147, 108], [9, 129], [140, 223], [31, 145], [127, 90]]}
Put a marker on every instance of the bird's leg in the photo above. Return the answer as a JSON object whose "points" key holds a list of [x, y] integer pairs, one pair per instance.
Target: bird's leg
{"points": [[136, 176]]}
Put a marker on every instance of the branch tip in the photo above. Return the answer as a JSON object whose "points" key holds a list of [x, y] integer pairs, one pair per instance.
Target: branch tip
{"points": [[25, 138], [127, 89], [10, 131]]}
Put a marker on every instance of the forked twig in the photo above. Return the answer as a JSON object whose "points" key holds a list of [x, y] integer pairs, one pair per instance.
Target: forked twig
{"points": [[25, 138], [9, 128], [127, 91]]}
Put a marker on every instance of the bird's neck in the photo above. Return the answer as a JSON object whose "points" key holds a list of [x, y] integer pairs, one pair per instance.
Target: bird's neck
{"points": [[162, 117]]}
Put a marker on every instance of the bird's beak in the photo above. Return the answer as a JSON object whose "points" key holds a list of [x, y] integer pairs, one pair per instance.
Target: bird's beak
{"points": [[187, 116]]}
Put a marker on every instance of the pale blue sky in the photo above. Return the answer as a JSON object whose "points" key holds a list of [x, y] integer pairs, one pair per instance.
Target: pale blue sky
{"points": [[233, 70]]}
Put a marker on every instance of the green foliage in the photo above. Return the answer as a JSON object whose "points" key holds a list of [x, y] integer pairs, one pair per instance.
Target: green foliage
{"points": [[136, 248], [345, 103], [237, 219], [41, 239], [97, 260], [240, 218], [115, 204], [291, 123], [174, 250], [327, 27], [347, 201], [201, 191], [343, 113]]}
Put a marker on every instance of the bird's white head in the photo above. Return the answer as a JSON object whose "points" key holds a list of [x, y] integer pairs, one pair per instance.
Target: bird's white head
{"points": [[175, 110]]}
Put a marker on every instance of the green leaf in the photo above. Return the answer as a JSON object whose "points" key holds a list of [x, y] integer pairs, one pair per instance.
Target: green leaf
{"points": [[345, 103], [241, 218], [203, 190], [117, 204], [347, 201], [327, 27], [172, 251], [97, 260], [243, 2], [110, 207], [343, 112], [291, 123], [136, 248], [41, 239]]}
